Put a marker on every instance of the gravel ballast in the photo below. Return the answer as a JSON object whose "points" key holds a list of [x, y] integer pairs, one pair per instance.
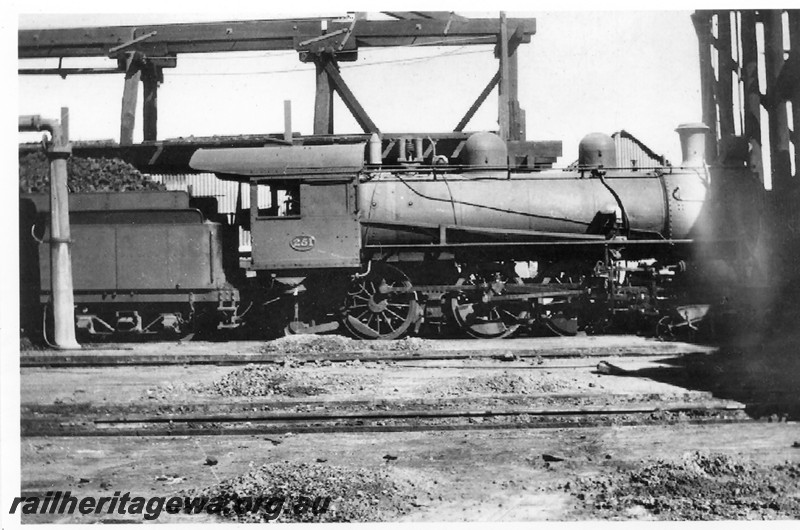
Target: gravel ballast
{"points": [[356, 494]]}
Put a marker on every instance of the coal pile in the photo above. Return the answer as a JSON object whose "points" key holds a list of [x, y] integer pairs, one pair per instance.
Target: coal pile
{"points": [[83, 175], [701, 487], [259, 381], [356, 495]]}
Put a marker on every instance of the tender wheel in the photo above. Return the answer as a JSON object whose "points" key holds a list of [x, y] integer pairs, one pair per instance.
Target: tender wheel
{"points": [[372, 311], [479, 316]]}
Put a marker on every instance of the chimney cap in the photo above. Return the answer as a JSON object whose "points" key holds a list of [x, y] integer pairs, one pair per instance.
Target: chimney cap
{"points": [[696, 126]]}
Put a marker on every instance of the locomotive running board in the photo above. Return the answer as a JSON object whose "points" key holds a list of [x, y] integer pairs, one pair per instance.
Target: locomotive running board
{"points": [[442, 230]]}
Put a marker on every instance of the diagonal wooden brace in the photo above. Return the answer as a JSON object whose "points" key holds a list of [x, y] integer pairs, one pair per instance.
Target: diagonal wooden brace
{"points": [[349, 99]]}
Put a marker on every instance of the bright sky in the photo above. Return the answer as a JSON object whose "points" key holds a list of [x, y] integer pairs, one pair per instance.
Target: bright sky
{"points": [[582, 72]]}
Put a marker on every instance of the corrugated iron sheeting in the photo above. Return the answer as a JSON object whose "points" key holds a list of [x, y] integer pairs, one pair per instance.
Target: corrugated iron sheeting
{"points": [[633, 153], [208, 185]]}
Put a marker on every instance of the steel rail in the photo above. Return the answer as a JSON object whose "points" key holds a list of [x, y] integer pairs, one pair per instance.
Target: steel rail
{"points": [[399, 420], [504, 354]]}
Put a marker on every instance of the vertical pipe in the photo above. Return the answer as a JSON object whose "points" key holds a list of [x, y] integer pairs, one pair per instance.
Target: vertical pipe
{"points": [[287, 120], [60, 258], [375, 149], [401, 149]]}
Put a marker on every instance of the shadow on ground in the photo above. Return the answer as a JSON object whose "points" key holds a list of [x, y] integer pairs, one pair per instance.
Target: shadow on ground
{"points": [[761, 370]]}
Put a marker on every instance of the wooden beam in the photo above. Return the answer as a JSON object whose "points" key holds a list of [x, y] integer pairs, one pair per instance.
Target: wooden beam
{"points": [[415, 15], [350, 101], [502, 86], [171, 39], [478, 102], [323, 100], [150, 80], [130, 95], [516, 38]]}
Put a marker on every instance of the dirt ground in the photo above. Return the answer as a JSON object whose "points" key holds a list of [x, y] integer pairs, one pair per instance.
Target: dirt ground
{"points": [[645, 472], [657, 471], [339, 381]]}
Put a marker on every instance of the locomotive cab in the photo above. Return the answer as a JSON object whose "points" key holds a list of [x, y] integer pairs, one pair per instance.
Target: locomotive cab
{"points": [[303, 207], [304, 224]]}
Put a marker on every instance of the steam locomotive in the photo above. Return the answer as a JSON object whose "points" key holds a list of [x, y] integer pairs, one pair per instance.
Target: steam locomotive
{"points": [[339, 239]]}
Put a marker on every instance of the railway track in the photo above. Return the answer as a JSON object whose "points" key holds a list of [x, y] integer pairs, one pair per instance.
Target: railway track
{"points": [[271, 417], [569, 348]]}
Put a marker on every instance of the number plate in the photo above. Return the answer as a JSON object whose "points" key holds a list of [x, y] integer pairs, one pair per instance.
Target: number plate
{"points": [[303, 243]]}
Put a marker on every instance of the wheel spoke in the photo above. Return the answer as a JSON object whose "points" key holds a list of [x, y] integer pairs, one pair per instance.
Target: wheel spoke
{"points": [[480, 319], [394, 314], [384, 315]]}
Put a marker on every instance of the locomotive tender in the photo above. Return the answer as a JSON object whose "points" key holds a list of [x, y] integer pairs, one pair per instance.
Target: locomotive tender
{"points": [[144, 262]]}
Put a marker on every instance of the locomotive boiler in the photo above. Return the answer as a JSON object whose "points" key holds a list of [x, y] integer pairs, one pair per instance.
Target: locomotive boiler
{"points": [[383, 249]]}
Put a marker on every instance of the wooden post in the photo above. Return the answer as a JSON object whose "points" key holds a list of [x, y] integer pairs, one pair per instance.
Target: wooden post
{"points": [[130, 95], [724, 87], [702, 26], [150, 79], [323, 101], [794, 51], [752, 92], [516, 113], [503, 88], [778, 120]]}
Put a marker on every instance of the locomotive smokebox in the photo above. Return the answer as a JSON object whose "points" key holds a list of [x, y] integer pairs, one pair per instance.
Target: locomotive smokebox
{"points": [[485, 149], [693, 146], [597, 150]]}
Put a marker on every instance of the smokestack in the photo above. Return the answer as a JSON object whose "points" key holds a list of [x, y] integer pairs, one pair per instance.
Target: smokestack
{"points": [[693, 143]]}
